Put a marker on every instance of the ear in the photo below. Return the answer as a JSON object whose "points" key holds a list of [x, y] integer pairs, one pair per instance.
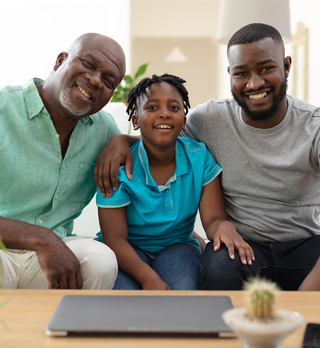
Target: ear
{"points": [[287, 65], [228, 70], [60, 59], [135, 122], [184, 123]]}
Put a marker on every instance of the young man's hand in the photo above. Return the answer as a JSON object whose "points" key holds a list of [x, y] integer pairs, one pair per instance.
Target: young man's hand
{"points": [[228, 236]]}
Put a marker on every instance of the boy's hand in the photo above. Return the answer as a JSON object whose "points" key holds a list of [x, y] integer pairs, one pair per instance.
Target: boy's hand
{"points": [[115, 153], [233, 240], [155, 284]]}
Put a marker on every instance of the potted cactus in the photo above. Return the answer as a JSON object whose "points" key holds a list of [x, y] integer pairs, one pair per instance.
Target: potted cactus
{"points": [[261, 324]]}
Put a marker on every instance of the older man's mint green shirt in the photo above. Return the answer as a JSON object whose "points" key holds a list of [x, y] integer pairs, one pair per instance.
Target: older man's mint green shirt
{"points": [[37, 185]]}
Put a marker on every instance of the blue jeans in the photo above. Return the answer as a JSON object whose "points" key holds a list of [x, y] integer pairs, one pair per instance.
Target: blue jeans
{"points": [[177, 265], [286, 263]]}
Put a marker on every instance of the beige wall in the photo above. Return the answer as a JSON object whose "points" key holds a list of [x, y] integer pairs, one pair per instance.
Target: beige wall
{"points": [[155, 25]]}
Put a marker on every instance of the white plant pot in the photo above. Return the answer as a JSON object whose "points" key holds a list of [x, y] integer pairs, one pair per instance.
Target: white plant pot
{"points": [[257, 333]]}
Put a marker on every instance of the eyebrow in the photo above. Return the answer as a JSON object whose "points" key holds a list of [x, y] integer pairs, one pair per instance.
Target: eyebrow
{"points": [[98, 61], [258, 64]]}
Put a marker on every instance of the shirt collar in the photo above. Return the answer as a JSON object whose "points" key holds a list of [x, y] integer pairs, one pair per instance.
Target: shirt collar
{"points": [[34, 103], [181, 163]]}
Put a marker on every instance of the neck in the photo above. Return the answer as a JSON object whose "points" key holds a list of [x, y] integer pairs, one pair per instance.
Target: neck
{"points": [[270, 122], [162, 163]]}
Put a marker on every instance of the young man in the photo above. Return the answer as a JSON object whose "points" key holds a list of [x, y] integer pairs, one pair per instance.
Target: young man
{"points": [[51, 134], [268, 145]]}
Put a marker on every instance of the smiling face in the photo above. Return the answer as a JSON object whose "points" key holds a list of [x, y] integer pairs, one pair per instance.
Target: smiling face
{"points": [[159, 115], [85, 78], [258, 77]]}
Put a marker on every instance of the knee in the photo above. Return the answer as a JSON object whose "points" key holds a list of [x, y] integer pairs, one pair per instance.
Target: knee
{"points": [[99, 266], [218, 272]]}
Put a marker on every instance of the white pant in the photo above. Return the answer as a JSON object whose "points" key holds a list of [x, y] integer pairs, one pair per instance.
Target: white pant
{"points": [[98, 264]]}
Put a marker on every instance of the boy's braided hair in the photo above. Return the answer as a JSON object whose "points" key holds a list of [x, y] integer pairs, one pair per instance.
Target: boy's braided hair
{"points": [[141, 87]]}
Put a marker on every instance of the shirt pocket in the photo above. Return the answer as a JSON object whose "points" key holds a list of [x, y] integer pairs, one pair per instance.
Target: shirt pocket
{"points": [[82, 186]]}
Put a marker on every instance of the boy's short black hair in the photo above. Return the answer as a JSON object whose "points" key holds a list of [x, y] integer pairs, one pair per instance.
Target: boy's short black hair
{"points": [[254, 32], [141, 87]]}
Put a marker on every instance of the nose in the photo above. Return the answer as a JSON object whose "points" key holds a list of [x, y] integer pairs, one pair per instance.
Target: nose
{"points": [[255, 82], [95, 78], [164, 113]]}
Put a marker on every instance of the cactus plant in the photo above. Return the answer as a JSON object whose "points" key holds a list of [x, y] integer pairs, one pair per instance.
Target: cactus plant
{"points": [[261, 298], [260, 324]]}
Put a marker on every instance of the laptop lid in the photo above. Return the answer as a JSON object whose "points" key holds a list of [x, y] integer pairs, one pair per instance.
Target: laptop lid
{"points": [[140, 315]]}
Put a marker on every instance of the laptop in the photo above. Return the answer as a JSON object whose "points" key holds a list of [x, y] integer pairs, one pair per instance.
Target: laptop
{"points": [[140, 315]]}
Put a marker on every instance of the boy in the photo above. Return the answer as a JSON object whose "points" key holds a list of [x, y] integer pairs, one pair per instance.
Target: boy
{"points": [[151, 222]]}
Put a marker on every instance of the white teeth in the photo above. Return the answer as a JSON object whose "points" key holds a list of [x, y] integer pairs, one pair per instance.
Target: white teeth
{"points": [[164, 126], [257, 96], [84, 92]]}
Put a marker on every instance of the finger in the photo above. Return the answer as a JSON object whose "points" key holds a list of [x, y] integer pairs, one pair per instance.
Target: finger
{"points": [[71, 282], [98, 177], [244, 257], [53, 284], [128, 166], [216, 243], [79, 282], [230, 247], [63, 283], [249, 254], [113, 182]]}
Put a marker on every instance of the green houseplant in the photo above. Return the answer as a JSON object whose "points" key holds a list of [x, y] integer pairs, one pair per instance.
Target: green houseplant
{"points": [[129, 81]]}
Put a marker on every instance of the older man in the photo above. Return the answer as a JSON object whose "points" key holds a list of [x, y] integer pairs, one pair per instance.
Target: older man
{"points": [[51, 134]]}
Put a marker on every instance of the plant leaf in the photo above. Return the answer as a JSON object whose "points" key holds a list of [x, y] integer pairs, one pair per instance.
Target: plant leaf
{"points": [[141, 70]]}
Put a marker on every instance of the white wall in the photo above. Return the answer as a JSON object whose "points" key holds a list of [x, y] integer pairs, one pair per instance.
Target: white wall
{"points": [[34, 32]]}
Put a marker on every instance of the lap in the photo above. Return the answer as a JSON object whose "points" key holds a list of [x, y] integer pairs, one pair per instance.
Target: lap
{"points": [[286, 263], [177, 265]]}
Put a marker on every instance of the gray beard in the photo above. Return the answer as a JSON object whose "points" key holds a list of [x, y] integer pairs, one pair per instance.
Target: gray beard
{"points": [[66, 102]]}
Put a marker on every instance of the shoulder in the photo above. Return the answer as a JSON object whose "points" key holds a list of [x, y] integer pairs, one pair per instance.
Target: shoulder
{"points": [[212, 106], [302, 107], [194, 149], [190, 144], [104, 121]]}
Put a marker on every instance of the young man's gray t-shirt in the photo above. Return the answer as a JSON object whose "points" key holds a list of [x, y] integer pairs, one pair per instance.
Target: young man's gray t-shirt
{"points": [[271, 177]]}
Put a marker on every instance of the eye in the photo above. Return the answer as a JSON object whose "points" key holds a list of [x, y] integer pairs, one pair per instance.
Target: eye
{"points": [[108, 83], [87, 64], [151, 107], [174, 108], [240, 73], [266, 68]]}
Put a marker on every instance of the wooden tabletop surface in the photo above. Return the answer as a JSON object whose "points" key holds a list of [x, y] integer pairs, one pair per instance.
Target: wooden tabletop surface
{"points": [[26, 313]]}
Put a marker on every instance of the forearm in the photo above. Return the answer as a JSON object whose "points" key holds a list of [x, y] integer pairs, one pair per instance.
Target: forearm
{"points": [[23, 236], [130, 263], [312, 281], [212, 227]]}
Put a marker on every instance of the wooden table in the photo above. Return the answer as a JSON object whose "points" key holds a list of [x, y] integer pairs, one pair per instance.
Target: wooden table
{"points": [[27, 313]]}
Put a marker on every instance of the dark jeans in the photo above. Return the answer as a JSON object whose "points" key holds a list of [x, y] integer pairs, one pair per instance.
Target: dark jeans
{"points": [[177, 265], [286, 263]]}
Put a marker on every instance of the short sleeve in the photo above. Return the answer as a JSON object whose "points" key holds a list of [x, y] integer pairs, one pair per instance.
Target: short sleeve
{"points": [[119, 198], [211, 169]]}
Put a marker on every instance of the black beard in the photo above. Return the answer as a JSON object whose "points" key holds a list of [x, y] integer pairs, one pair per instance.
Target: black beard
{"points": [[262, 115]]}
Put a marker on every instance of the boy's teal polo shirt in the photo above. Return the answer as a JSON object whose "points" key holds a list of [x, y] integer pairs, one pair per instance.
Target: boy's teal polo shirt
{"points": [[37, 185], [159, 216]]}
